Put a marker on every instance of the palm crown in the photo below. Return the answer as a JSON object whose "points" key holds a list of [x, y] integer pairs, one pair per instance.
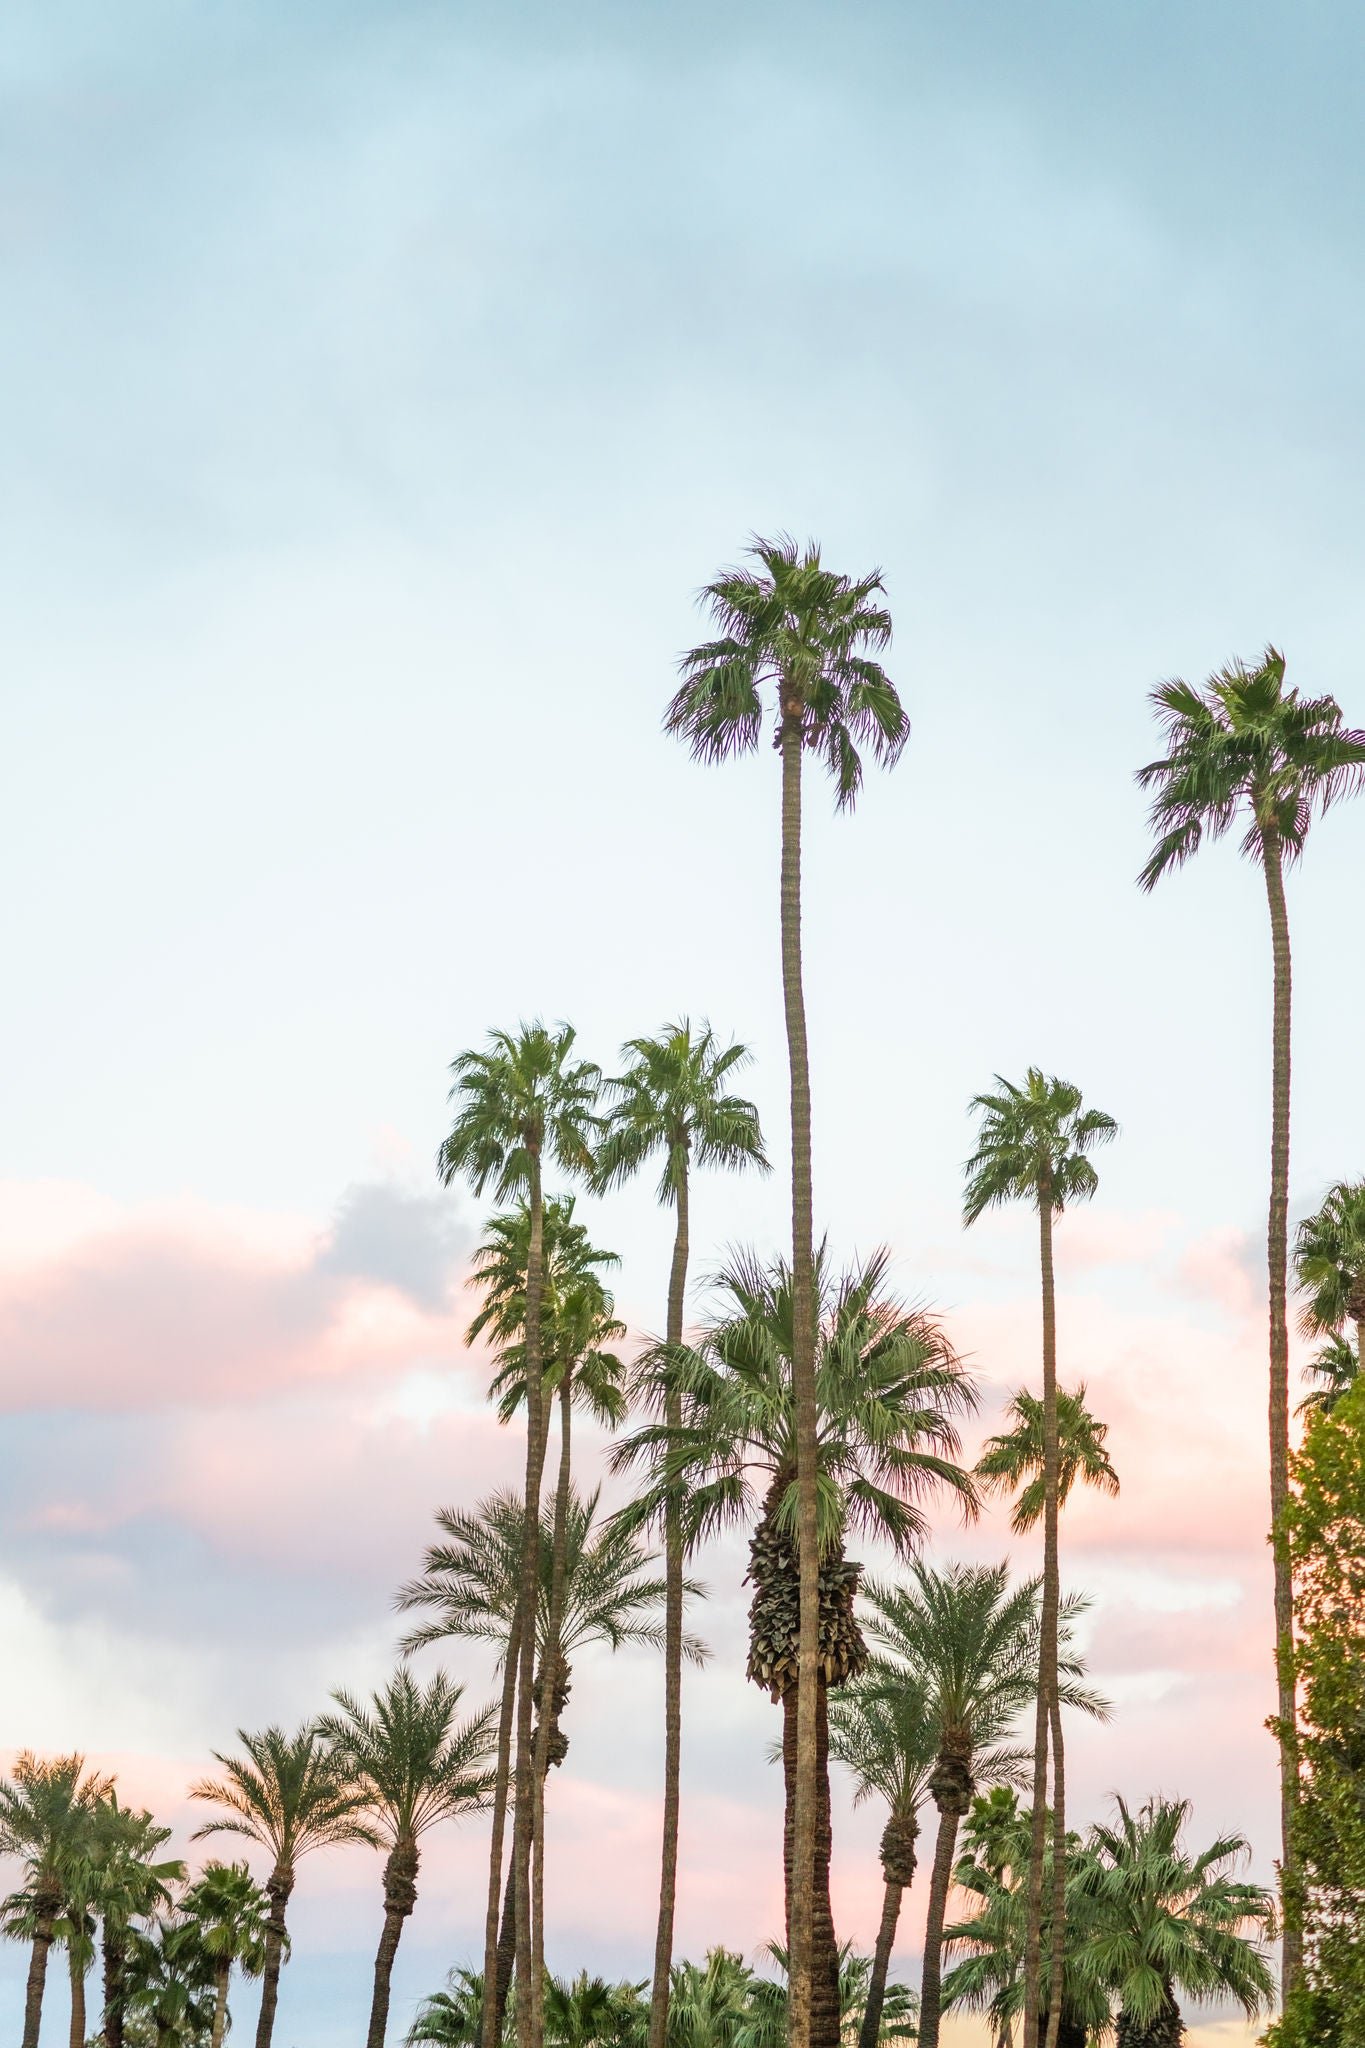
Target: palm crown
{"points": [[289, 1793], [520, 1100], [1329, 1261], [1032, 1145], [809, 633], [1244, 746], [1018, 1455], [882, 1730], [415, 1762], [229, 1909], [671, 1101], [48, 1810], [577, 1318]]}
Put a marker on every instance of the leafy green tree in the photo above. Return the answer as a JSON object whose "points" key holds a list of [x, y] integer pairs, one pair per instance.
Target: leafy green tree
{"points": [[1245, 750], [1165, 1921], [673, 1103], [888, 1387], [523, 1101], [46, 1813], [289, 1794], [230, 1911], [129, 1882], [793, 627], [1017, 1457], [882, 1730], [1033, 1145], [972, 1640], [1329, 1266], [416, 1765]]}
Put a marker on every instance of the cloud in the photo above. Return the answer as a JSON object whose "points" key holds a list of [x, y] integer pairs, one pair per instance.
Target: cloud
{"points": [[405, 1240]]}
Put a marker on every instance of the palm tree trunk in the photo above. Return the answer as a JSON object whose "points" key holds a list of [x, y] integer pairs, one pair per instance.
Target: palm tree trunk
{"points": [[113, 1945], [930, 1998], [523, 1813], [805, 1821], [278, 1889], [222, 1978], [673, 1633], [76, 1967], [1277, 1259], [1057, 1967], [494, 2006], [37, 1968], [549, 1678], [1047, 1645], [400, 1896], [881, 1964], [825, 2012], [507, 1948]]}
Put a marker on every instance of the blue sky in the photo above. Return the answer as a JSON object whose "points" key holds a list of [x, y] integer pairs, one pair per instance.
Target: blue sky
{"points": [[383, 381]]}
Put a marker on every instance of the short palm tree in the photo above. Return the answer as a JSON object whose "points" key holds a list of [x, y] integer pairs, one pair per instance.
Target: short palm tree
{"points": [[452, 2018], [1245, 750], [522, 1102], [171, 1979], [709, 2002], [1329, 1266], [673, 1103], [1018, 1457], [808, 635], [1033, 1145], [767, 2022], [972, 1640], [230, 1910], [889, 1386], [588, 2012], [1166, 1921], [129, 1881], [46, 1815], [1336, 1369], [882, 1730], [289, 1794], [416, 1764]]}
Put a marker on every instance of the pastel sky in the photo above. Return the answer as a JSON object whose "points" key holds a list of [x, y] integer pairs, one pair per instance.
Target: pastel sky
{"points": [[383, 381]]}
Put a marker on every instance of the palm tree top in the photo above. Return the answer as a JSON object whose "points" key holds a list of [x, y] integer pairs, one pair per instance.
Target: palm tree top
{"points": [[1245, 746], [415, 1761], [289, 1793], [671, 1100], [521, 1099], [1329, 1260], [1032, 1145], [48, 1809], [810, 633], [1018, 1454], [883, 1731]]}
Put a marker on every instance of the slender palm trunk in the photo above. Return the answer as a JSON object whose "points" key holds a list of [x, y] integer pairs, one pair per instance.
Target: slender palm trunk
{"points": [[222, 1978], [47, 1911], [898, 1869], [1277, 1258], [400, 1896], [1047, 1651], [507, 1947], [114, 1949], [523, 1812], [673, 1632], [1057, 1965], [805, 1822], [940, 1878], [278, 1888], [559, 1560], [76, 1967], [825, 2009], [495, 2005]]}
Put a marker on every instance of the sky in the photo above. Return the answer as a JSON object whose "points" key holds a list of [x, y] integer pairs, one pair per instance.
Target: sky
{"points": [[382, 384]]}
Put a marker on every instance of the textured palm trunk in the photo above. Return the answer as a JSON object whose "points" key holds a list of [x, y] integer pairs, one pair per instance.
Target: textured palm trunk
{"points": [[559, 1560], [805, 1822], [1277, 1259], [114, 1949], [278, 1888], [952, 1788], [524, 1810], [400, 1896], [47, 1905], [898, 1870], [1057, 1962], [506, 1956], [1165, 2031], [673, 1633], [222, 1978], [76, 1967], [1047, 1651], [824, 2003], [490, 2024]]}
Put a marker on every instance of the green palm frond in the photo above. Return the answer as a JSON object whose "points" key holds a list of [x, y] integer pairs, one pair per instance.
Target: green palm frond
{"points": [[522, 1100], [289, 1793], [1033, 1145], [671, 1103], [1017, 1456], [414, 1760], [1329, 1261]]}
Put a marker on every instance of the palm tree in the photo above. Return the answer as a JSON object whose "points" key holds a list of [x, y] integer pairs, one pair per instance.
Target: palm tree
{"points": [[809, 634], [1329, 1266], [972, 1640], [709, 2003], [452, 2018], [1336, 1369], [73, 1931], [766, 2024], [128, 1884], [46, 1810], [522, 1101], [1018, 1457], [888, 1386], [1246, 750], [289, 1794], [587, 2012], [1032, 1146], [171, 1978], [673, 1101], [416, 1765], [882, 1730], [229, 1909], [1168, 1921]]}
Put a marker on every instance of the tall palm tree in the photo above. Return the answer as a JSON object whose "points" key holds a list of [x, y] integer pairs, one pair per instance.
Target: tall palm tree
{"points": [[888, 1387], [230, 1911], [807, 634], [1032, 1146], [289, 1794], [1246, 750], [130, 1881], [673, 1102], [972, 1640], [46, 1812], [521, 1102], [881, 1729], [1166, 1921], [416, 1764], [1018, 1457], [72, 1931], [1329, 1265]]}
